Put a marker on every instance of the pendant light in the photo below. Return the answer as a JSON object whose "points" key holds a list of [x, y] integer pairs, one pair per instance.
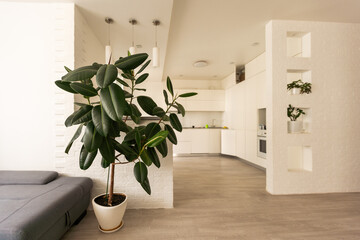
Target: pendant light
{"points": [[108, 47], [132, 49], [156, 50]]}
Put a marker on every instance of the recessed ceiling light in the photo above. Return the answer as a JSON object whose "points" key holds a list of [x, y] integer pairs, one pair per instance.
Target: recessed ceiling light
{"points": [[254, 44], [201, 63]]}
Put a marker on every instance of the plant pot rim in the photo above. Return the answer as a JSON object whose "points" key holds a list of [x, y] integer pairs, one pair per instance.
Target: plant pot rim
{"points": [[108, 207]]}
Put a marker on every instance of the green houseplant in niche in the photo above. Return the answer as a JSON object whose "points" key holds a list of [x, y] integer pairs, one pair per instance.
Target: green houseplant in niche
{"points": [[293, 114], [299, 87], [108, 119]]}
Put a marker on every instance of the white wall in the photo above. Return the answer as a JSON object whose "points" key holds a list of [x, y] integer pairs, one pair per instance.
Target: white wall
{"points": [[34, 46], [241, 108], [330, 150], [197, 84]]}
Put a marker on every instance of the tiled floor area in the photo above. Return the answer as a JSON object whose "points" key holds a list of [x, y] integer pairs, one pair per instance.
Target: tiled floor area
{"points": [[223, 198]]}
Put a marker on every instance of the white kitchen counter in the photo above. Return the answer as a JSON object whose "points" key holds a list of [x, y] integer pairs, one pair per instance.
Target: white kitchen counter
{"points": [[198, 140]]}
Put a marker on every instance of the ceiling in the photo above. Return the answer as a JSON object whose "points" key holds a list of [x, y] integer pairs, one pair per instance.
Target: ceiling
{"points": [[221, 32]]}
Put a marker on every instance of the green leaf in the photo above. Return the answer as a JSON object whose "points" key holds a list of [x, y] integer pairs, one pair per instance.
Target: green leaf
{"points": [[124, 149], [151, 129], [141, 89], [101, 120], [83, 119], [113, 101], [157, 139], [162, 148], [128, 76], [106, 75], [158, 111], [65, 86], [127, 94], [138, 140], [122, 82], [140, 172], [131, 62], [79, 116], [107, 150], [166, 97], [171, 136], [143, 67], [92, 139], [84, 89], [86, 158], [80, 104], [147, 104], [67, 69], [141, 78], [153, 157], [104, 163], [181, 109], [135, 113], [169, 86], [166, 118], [130, 136], [146, 186], [175, 123], [190, 94], [79, 74], [76, 135], [145, 157], [124, 127]]}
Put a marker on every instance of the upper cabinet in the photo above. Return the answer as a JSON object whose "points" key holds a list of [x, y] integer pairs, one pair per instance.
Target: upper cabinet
{"points": [[206, 100]]}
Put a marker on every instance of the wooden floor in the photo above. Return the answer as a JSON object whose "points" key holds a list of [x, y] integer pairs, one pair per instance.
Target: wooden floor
{"points": [[223, 198]]}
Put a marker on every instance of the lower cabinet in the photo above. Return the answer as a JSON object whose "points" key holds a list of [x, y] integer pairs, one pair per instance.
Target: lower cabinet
{"points": [[198, 141], [228, 142]]}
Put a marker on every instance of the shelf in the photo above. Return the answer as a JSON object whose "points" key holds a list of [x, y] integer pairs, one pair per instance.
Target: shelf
{"points": [[298, 44], [299, 158], [306, 121]]}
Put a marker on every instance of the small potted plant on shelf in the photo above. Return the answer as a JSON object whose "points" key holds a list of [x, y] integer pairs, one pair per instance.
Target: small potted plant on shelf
{"points": [[299, 87], [105, 120], [293, 114]]}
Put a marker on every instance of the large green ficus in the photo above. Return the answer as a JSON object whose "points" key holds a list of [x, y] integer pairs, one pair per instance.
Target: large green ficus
{"points": [[105, 121]]}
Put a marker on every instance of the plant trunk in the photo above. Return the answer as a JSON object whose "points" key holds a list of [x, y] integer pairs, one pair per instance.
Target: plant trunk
{"points": [[111, 189]]}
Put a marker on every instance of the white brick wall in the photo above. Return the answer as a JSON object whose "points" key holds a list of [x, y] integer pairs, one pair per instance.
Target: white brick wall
{"points": [[334, 103], [87, 50]]}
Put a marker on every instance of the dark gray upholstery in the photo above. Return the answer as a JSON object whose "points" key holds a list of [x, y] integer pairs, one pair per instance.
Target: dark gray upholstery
{"points": [[42, 211], [27, 177]]}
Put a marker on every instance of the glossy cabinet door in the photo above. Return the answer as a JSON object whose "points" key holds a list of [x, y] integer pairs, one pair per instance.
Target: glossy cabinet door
{"points": [[198, 141]]}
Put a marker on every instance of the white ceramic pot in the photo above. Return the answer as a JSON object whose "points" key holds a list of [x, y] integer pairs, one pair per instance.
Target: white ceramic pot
{"points": [[110, 218], [295, 126], [295, 91]]}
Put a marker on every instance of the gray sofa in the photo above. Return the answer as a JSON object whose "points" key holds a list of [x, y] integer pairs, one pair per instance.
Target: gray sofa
{"points": [[40, 204]]}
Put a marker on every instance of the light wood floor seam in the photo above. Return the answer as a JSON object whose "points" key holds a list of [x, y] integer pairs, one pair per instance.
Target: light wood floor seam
{"points": [[217, 197]]}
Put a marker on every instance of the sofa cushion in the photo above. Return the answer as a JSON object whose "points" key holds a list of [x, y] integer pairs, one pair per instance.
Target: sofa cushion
{"points": [[27, 177]]}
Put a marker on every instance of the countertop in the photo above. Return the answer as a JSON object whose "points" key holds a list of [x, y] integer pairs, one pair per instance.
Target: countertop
{"points": [[203, 128]]}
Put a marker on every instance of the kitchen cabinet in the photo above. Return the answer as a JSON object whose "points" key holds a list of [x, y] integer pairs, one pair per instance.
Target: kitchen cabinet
{"points": [[228, 142], [198, 141], [205, 100]]}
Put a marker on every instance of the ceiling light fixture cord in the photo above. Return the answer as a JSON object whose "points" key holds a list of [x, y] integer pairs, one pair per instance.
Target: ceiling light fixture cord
{"points": [[132, 43], [156, 50]]}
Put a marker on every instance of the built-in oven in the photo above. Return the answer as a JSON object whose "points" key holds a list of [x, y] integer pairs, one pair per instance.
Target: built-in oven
{"points": [[261, 144]]}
